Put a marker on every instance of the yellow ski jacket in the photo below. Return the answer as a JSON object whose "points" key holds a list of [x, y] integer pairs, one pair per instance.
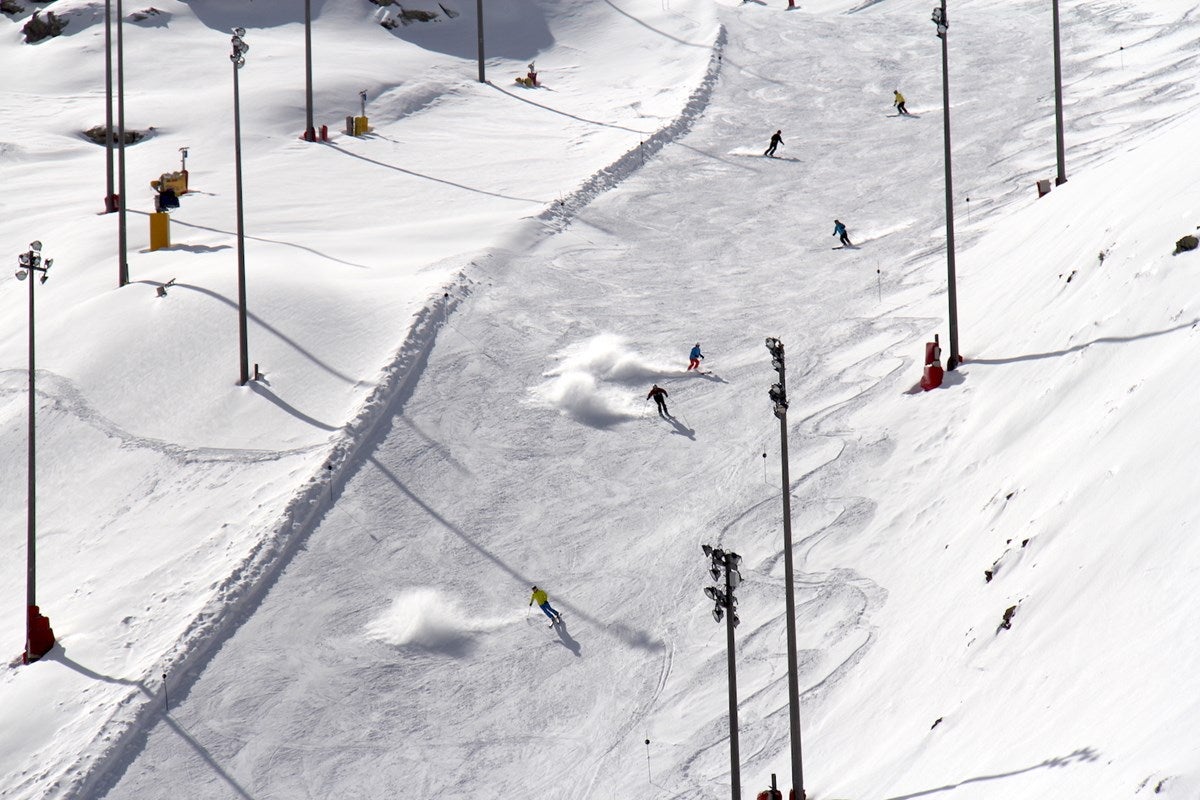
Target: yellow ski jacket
{"points": [[538, 597]]}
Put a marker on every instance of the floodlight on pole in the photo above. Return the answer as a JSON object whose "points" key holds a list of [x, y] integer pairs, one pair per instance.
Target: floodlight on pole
{"points": [[725, 607], [39, 638], [778, 395], [238, 56], [942, 21]]}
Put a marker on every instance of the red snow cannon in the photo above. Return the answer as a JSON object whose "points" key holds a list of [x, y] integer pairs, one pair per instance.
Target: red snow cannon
{"points": [[773, 793], [932, 378]]}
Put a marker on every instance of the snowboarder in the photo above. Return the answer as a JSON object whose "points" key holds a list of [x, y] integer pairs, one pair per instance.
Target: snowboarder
{"points": [[899, 103], [839, 230], [658, 393], [695, 356], [543, 601], [776, 140]]}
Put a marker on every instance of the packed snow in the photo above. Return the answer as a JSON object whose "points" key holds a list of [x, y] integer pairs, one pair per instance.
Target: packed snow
{"points": [[317, 584]]}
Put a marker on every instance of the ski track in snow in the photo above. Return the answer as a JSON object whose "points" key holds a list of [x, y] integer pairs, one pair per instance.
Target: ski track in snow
{"points": [[64, 396]]}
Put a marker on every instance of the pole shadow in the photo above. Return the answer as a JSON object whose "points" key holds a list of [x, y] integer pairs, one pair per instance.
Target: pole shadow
{"points": [[1085, 754], [515, 96], [443, 181], [258, 388], [1076, 348]]}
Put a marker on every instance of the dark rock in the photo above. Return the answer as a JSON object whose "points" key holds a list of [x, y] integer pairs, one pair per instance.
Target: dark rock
{"points": [[39, 27], [11, 7], [1006, 624], [96, 135]]}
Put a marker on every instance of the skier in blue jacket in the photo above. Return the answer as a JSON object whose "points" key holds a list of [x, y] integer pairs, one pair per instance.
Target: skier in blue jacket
{"points": [[695, 357], [839, 230]]}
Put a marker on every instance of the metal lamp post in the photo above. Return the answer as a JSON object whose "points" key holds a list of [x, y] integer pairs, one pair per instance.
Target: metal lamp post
{"points": [[238, 57], [122, 239], [479, 22], [1060, 146], [726, 607], [39, 638], [310, 132], [943, 25], [778, 395], [110, 199]]}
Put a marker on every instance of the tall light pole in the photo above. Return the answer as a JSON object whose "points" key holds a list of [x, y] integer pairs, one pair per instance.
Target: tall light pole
{"points": [[479, 21], [1058, 112], [943, 25], [238, 57], [778, 395], [122, 240], [110, 200], [726, 606], [310, 132], [39, 638]]}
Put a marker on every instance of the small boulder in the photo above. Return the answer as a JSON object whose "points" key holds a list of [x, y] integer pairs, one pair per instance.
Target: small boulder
{"points": [[39, 27], [1188, 242]]}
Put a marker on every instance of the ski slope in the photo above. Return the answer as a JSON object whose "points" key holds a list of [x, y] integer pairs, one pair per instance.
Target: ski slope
{"points": [[472, 364]]}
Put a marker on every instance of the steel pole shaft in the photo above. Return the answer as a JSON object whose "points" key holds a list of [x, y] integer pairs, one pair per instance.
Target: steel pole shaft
{"points": [[951, 288], [31, 508], [122, 239], [309, 130], [109, 204], [734, 756], [244, 349], [790, 607], [1060, 145], [479, 16]]}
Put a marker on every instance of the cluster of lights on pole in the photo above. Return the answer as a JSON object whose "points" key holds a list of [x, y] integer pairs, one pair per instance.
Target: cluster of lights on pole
{"points": [[31, 261], [725, 608], [39, 638], [777, 392], [941, 20], [778, 395], [240, 48], [723, 599]]}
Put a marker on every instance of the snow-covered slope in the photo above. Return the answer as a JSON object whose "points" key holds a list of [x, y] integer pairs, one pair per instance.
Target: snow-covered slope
{"points": [[391, 657]]}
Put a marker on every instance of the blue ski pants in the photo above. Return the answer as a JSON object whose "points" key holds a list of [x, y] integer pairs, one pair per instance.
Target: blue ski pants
{"points": [[550, 612]]}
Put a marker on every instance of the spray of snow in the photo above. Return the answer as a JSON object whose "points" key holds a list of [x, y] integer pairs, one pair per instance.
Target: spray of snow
{"points": [[578, 386], [428, 619]]}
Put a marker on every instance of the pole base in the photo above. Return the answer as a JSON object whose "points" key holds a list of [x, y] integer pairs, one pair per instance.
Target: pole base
{"points": [[111, 204], [39, 636]]}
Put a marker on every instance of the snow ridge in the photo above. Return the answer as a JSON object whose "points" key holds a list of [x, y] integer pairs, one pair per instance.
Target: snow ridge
{"points": [[248, 584]]}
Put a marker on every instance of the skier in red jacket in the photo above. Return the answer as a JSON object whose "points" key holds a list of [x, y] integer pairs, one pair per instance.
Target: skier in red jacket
{"points": [[658, 393]]}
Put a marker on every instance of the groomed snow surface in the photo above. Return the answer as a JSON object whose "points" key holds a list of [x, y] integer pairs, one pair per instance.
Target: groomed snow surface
{"points": [[315, 585]]}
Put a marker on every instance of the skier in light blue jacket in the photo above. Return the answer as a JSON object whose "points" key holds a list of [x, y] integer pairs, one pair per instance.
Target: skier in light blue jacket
{"points": [[695, 357]]}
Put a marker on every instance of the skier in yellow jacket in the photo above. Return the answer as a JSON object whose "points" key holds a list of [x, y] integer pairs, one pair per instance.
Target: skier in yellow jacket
{"points": [[899, 103], [543, 601]]}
